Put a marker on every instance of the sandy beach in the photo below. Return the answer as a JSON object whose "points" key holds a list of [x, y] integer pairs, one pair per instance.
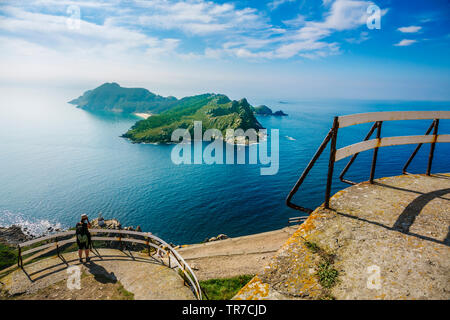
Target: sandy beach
{"points": [[143, 115]]}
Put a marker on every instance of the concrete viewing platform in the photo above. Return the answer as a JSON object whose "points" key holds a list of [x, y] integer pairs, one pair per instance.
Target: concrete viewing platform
{"points": [[143, 276], [387, 240]]}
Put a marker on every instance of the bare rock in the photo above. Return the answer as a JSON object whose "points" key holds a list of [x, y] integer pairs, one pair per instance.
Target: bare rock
{"points": [[13, 235], [219, 237]]}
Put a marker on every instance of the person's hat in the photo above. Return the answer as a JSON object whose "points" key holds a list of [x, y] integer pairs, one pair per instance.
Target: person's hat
{"points": [[83, 215]]}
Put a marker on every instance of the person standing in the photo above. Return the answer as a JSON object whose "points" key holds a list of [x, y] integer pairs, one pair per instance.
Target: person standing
{"points": [[83, 237]]}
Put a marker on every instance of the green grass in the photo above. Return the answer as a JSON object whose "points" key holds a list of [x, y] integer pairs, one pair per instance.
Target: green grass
{"points": [[8, 256], [224, 289], [328, 275], [312, 246], [124, 294]]}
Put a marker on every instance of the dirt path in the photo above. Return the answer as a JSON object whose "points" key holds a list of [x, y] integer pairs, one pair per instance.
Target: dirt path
{"points": [[235, 256]]}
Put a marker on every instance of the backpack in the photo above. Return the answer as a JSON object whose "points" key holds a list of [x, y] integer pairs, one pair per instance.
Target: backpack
{"points": [[81, 233]]}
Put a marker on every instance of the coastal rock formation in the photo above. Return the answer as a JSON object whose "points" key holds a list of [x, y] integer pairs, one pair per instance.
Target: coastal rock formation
{"points": [[279, 113], [219, 237], [100, 223], [264, 110], [13, 235]]}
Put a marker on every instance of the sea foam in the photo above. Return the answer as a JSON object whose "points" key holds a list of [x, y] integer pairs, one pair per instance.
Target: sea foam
{"points": [[30, 226]]}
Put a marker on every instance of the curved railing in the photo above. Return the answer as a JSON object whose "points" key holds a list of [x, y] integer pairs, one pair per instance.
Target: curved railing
{"points": [[163, 249], [354, 149]]}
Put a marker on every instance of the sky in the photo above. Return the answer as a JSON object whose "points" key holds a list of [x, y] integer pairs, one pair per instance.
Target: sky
{"points": [[278, 49]]}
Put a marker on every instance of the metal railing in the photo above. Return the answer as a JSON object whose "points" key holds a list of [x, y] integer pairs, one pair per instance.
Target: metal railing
{"points": [[296, 220], [162, 250], [353, 150]]}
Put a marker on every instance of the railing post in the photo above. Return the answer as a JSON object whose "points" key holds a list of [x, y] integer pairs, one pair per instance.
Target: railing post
{"points": [[305, 173], [375, 152], [57, 246], [433, 145], [334, 129], [19, 258], [417, 149], [341, 176], [148, 246]]}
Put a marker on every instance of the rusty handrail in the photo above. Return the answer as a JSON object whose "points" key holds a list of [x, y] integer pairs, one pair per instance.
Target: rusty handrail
{"points": [[353, 150], [405, 167], [305, 173], [341, 176]]}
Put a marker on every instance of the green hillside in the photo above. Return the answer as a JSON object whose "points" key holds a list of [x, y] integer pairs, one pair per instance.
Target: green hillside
{"points": [[214, 110], [113, 97], [263, 110]]}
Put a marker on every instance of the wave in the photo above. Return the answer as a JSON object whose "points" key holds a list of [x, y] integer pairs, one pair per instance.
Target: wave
{"points": [[32, 227]]}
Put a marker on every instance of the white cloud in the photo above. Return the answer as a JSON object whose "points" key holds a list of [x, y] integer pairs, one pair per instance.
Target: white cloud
{"points": [[343, 15], [410, 29], [224, 29], [346, 14], [295, 22], [198, 17], [305, 38], [178, 52], [276, 3], [364, 36], [307, 49], [405, 43], [52, 31]]}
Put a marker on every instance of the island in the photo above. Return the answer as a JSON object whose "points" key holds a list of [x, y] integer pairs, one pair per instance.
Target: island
{"points": [[114, 98], [264, 110], [165, 114], [215, 111], [279, 113]]}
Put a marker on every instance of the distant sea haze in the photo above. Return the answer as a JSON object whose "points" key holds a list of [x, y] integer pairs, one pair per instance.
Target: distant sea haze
{"points": [[58, 161]]}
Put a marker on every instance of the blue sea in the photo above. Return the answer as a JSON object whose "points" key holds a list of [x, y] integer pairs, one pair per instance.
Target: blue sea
{"points": [[57, 161]]}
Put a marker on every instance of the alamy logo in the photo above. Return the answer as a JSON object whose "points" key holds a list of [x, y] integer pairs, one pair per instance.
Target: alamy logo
{"points": [[374, 18], [74, 278], [374, 279], [213, 153], [74, 19]]}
